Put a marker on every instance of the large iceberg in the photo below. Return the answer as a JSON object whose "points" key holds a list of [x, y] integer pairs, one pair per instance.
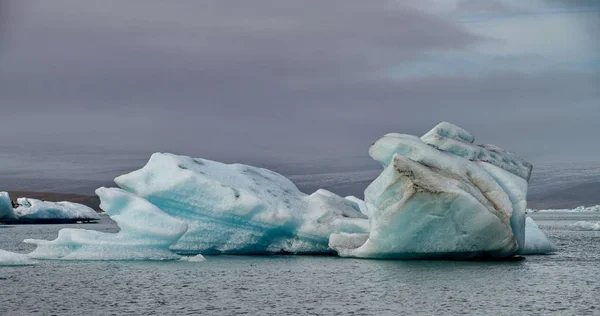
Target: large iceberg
{"points": [[146, 233], [241, 209], [441, 196], [536, 242], [36, 210], [6, 209]]}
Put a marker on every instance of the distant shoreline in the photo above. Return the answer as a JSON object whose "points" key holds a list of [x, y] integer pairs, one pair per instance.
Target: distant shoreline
{"points": [[550, 202]]}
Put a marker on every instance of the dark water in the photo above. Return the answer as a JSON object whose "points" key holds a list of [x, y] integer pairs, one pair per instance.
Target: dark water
{"points": [[564, 284]]}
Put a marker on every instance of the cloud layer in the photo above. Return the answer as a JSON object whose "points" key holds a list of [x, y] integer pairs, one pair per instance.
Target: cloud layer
{"points": [[241, 80]]}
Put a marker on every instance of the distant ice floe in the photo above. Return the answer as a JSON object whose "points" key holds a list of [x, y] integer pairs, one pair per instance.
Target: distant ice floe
{"points": [[32, 209], [583, 225], [37, 211], [579, 209]]}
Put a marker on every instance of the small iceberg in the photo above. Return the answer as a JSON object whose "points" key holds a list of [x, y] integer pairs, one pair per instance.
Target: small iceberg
{"points": [[536, 242], [6, 209], [33, 211], [586, 226]]}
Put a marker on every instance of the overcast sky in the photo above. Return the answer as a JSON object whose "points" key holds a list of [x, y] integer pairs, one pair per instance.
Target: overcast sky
{"points": [[245, 80]]}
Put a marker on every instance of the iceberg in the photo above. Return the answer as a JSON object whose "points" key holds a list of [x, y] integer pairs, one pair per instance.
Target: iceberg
{"points": [[8, 258], [438, 197], [441, 197], [146, 233], [536, 242], [240, 209], [6, 209], [589, 226], [32, 210]]}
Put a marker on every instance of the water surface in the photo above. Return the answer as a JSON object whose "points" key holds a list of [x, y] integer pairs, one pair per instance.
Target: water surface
{"points": [[561, 284]]}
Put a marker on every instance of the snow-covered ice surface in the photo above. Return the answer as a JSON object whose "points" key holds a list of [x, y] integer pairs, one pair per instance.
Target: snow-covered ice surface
{"points": [[146, 233], [584, 225], [440, 196], [32, 209], [8, 258], [6, 210], [241, 209], [536, 242]]}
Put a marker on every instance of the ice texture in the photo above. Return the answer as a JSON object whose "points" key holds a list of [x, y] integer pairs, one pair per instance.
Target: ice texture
{"points": [[6, 209], [440, 196], [240, 209], [8, 258], [536, 242], [362, 206], [32, 209], [583, 225], [146, 233]]}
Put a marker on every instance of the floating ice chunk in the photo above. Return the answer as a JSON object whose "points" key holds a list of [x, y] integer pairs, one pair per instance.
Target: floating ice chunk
{"points": [[32, 209], [6, 210], [8, 258], [240, 209], [440, 196], [536, 242], [146, 233], [582, 225], [196, 258]]}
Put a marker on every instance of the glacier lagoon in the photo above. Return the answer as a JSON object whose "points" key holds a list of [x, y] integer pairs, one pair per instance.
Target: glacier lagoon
{"points": [[152, 212], [561, 284]]}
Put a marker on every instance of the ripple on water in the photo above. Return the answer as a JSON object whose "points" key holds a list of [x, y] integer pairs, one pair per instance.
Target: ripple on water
{"points": [[560, 284]]}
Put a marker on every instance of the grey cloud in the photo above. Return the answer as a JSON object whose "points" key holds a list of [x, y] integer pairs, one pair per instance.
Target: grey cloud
{"points": [[265, 79]]}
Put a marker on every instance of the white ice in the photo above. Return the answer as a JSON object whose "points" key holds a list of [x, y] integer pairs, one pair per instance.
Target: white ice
{"points": [[440, 196], [196, 258], [583, 225], [536, 242], [241, 209], [32, 209], [146, 233], [8, 258], [6, 209]]}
